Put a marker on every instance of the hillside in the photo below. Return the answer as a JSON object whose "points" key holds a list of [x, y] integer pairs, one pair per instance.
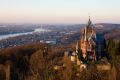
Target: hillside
{"points": [[39, 61], [35, 62]]}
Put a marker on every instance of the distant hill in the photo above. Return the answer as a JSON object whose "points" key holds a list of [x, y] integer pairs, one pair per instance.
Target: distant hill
{"points": [[107, 25], [109, 30]]}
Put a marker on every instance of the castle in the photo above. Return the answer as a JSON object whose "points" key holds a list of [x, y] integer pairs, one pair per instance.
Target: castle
{"points": [[88, 44], [90, 48], [92, 45]]}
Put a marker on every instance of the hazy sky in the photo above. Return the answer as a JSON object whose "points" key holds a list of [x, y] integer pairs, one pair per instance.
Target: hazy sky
{"points": [[59, 11]]}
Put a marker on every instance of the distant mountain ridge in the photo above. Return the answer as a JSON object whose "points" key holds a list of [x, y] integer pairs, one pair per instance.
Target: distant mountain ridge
{"points": [[110, 25], [109, 30]]}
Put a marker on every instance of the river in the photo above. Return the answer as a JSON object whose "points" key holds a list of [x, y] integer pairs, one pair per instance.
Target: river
{"points": [[39, 30]]}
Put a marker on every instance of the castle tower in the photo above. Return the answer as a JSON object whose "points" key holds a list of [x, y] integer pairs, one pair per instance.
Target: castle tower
{"points": [[88, 41], [77, 52]]}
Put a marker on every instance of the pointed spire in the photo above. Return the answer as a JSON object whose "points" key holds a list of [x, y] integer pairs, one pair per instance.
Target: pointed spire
{"points": [[89, 17], [89, 21], [77, 47], [85, 34]]}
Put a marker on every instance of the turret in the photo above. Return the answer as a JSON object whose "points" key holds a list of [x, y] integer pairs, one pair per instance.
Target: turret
{"points": [[77, 47], [88, 40]]}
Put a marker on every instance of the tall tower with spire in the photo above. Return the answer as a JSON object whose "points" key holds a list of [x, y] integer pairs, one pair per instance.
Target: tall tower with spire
{"points": [[88, 41]]}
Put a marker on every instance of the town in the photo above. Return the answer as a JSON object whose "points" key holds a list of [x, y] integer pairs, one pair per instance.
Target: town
{"points": [[59, 34], [55, 36]]}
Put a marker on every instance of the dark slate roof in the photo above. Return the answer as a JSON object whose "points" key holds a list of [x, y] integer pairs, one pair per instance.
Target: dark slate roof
{"points": [[100, 39]]}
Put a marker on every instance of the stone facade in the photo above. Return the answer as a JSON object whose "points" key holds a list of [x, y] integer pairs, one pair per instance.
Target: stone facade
{"points": [[90, 48], [87, 43]]}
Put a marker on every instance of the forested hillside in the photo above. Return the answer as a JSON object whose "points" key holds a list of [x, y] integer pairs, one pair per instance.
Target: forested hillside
{"points": [[36, 62]]}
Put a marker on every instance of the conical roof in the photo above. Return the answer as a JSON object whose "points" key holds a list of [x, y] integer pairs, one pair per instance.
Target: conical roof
{"points": [[89, 22]]}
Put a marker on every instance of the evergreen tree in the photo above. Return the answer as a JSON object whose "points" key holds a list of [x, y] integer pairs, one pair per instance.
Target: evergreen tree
{"points": [[118, 48], [111, 47]]}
